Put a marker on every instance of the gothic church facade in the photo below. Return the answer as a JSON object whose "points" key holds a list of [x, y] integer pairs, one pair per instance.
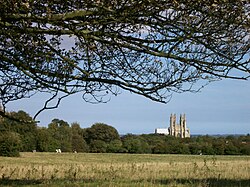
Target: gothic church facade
{"points": [[179, 130]]}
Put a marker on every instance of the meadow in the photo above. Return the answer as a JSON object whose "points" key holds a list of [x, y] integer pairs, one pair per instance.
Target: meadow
{"points": [[87, 169]]}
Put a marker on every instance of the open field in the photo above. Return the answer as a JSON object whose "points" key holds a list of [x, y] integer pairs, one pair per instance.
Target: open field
{"points": [[85, 169]]}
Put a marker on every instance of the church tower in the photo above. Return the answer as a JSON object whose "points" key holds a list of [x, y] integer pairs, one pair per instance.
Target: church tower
{"points": [[172, 130], [183, 126]]}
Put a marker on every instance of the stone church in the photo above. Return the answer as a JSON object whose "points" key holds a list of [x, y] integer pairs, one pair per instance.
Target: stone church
{"points": [[177, 130]]}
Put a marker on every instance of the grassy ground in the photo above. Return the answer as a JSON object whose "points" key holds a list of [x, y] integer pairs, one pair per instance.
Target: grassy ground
{"points": [[69, 169]]}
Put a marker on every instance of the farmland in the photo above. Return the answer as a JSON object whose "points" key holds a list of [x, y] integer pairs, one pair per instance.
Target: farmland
{"points": [[89, 169]]}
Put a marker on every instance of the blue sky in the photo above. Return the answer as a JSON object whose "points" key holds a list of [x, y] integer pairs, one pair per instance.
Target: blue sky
{"points": [[222, 107]]}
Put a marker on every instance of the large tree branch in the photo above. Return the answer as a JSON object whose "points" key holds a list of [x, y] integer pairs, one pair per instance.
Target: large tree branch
{"points": [[151, 48]]}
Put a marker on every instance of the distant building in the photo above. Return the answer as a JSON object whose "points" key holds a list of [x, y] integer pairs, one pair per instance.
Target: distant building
{"points": [[162, 131], [177, 130]]}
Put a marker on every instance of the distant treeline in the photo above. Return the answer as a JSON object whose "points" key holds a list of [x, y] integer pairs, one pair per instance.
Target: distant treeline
{"points": [[24, 135]]}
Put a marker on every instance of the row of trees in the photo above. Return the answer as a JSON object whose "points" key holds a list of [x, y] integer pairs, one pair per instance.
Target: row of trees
{"points": [[22, 136]]}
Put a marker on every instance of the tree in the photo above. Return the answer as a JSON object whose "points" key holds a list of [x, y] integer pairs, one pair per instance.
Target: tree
{"points": [[62, 135], [219, 146], [98, 146], [157, 143], [78, 142], [24, 126], [45, 140], [151, 48], [103, 132], [160, 147], [115, 146], [10, 143], [231, 149], [245, 149], [207, 149], [135, 144]]}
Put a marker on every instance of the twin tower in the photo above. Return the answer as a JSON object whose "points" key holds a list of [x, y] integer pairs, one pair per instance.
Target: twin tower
{"points": [[178, 130]]}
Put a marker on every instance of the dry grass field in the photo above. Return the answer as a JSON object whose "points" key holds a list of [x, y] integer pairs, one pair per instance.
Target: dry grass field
{"points": [[85, 169]]}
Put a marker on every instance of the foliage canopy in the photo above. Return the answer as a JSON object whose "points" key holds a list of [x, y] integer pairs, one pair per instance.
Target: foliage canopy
{"points": [[98, 48]]}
